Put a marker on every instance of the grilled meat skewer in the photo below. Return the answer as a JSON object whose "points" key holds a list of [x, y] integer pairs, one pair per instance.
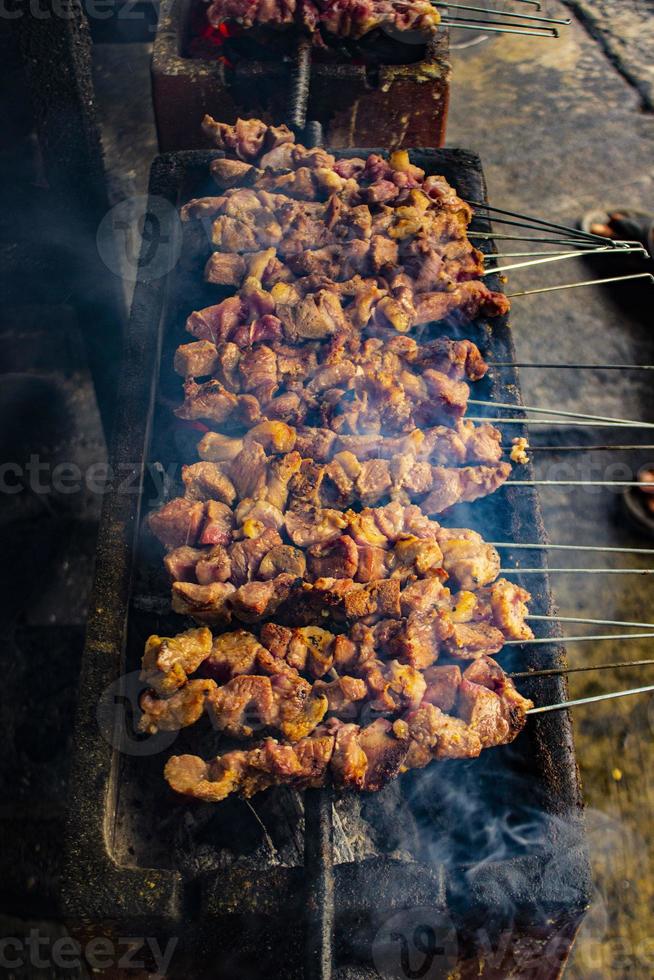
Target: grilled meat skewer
{"points": [[463, 625], [228, 563], [464, 442], [341, 19], [489, 712]]}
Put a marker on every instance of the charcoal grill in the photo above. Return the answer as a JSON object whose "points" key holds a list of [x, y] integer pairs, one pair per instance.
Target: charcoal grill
{"points": [[493, 846], [397, 104]]}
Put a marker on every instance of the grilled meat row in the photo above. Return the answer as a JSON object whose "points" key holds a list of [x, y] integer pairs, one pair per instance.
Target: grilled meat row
{"points": [[351, 19], [483, 710]]}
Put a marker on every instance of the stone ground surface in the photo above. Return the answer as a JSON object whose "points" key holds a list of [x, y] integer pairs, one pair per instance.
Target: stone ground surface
{"points": [[561, 130]]}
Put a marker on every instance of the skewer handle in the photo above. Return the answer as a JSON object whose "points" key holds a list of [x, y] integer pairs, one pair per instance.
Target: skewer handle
{"points": [[597, 697]]}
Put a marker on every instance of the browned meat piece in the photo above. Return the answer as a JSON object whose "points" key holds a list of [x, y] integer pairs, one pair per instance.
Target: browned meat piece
{"points": [[436, 735], [215, 565], [225, 269], [453, 486], [309, 526], [458, 359], [251, 770], [177, 522], [249, 702], [206, 481], [246, 555], [423, 596], [248, 471], [392, 686], [338, 558], [469, 561], [469, 298], [366, 758], [283, 559], [416, 556], [470, 640], [181, 709], [258, 600], [508, 608], [482, 710], [197, 359], [248, 138], [229, 173], [205, 603], [373, 599], [209, 400], [233, 654], [168, 660], [308, 649], [180, 562], [418, 639], [443, 684], [252, 516], [218, 524], [342, 695], [488, 674]]}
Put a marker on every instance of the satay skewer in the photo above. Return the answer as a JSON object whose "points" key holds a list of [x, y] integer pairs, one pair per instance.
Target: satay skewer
{"points": [[563, 705], [545, 640], [603, 250], [564, 21], [571, 547], [568, 413], [576, 571], [574, 422], [586, 282], [570, 367], [588, 622], [558, 671], [498, 27], [583, 449], [543, 223], [577, 483]]}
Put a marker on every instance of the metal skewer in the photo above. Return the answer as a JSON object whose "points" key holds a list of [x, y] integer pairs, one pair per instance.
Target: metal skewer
{"points": [[577, 571], [521, 238], [588, 622], [582, 449], [502, 13], [575, 367], [562, 705], [468, 24], [556, 671], [561, 258], [533, 219], [544, 641], [585, 250], [578, 483], [573, 422], [572, 547], [587, 282], [560, 411]]}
